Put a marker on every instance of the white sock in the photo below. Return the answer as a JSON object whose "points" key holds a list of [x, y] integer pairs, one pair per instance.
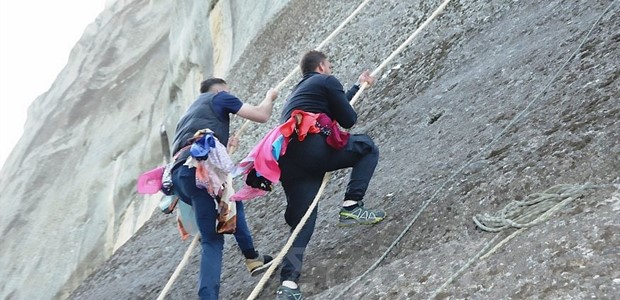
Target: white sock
{"points": [[289, 284], [347, 203]]}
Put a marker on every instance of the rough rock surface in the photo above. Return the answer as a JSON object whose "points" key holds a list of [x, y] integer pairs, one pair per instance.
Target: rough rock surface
{"points": [[442, 102], [69, 185]]}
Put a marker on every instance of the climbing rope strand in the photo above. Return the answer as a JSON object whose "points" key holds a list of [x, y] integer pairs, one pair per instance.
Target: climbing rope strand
{"points": [[469, 263], [544, 217], [289, 243], [400, 49], [179, 268], [259, 287], [468, 162], [293, 72], [341, 26], [290, 75], [519, 214], [406, 43], [238, 134]]}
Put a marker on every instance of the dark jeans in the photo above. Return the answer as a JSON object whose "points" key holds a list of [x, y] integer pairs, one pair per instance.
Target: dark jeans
{"points": [[184, 180], [303, 167]]}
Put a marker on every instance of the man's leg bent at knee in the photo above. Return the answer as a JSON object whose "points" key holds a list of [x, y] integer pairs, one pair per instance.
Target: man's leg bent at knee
{"points": [[362, 155]]}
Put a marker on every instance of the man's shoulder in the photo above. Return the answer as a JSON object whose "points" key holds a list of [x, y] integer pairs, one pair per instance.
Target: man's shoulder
{"points": [[324, 79], [227, 100], [333, 82], [204, 97], [225, 96]]}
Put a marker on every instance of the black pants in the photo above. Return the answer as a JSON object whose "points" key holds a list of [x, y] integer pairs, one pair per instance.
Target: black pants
{"points": [[303, 167]]}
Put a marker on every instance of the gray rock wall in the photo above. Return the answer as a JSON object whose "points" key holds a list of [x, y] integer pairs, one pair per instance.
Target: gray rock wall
{"points": [[69, 184], [70, 180]]}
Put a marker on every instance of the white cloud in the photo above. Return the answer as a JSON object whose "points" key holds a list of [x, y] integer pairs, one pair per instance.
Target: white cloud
{"points": [[36, 38]]}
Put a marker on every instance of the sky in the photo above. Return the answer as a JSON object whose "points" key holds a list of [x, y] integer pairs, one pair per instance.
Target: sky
{"points": [[36, 37]]}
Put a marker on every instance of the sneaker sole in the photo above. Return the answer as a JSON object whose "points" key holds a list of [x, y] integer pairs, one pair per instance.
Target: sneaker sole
{"points": [[354, 222], [261, 269]]}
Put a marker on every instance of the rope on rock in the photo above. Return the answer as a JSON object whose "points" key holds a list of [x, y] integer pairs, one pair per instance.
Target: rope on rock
{"points": [[179, 268], [470, 262], [238, 134], [278, 259], [537, 208], [495, 139], [290, 75], [289, 243]]}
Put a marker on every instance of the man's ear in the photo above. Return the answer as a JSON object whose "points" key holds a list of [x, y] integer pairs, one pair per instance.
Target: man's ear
{"points": [[321, 67]]}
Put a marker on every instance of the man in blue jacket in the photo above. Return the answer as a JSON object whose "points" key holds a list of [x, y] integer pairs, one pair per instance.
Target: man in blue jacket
{"points": [[212, 110], [306, 162]]}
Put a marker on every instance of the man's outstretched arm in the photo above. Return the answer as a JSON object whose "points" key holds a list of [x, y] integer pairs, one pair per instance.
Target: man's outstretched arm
{"points": [[259, 113]]}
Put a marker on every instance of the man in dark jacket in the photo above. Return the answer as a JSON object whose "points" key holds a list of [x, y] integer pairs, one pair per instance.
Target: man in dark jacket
{"points": [[211, 110], [306, 162]]}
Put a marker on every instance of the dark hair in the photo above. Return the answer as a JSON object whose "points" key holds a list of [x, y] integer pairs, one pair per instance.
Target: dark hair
{"points": [[207, 84], [311, 60]]}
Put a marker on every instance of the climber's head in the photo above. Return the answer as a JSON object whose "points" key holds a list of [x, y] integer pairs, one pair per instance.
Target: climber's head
{"points": [[213, 85], [315, 61]]}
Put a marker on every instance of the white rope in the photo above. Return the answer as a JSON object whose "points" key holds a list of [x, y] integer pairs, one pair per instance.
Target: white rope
{"points": [[289, 243], [324, 42], [400, 49], [179, 268], [259, 287], [232, 149], [293, 72]]}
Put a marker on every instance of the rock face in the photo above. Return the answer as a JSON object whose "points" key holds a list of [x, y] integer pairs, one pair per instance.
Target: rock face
{"points": [[69, 185], [439, 109]]}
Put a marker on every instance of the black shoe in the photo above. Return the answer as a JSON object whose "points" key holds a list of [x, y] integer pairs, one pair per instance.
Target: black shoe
{"points": [[258, 265]]}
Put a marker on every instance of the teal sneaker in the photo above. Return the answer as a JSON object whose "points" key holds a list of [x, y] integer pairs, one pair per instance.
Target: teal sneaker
{"points": [[360, 215], [285, 293]]}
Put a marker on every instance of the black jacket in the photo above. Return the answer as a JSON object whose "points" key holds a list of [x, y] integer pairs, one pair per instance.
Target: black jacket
{"points": [[320, 93]]}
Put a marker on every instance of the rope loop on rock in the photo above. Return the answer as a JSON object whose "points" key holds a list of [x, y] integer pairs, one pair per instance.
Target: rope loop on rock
{"points": [[536, 208]]}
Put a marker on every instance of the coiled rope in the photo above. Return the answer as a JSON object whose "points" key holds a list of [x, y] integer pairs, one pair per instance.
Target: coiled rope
{"points": [[537, 208], [527, 213], [278, 259], [232, 149]]}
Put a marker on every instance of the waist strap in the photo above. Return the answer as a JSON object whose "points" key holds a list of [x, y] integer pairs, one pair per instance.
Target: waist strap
{"points": [[303, 123]]}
